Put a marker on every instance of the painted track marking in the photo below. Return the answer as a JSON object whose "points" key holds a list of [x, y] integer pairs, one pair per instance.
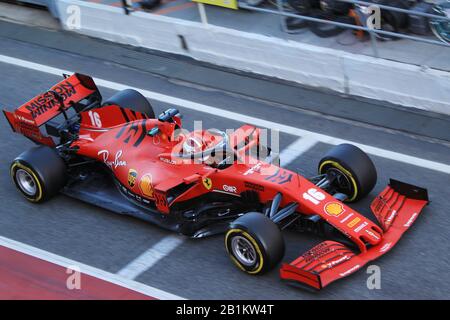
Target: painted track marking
{"points": [[150, 257], [92, 271], [296, 149], [380, 152]]}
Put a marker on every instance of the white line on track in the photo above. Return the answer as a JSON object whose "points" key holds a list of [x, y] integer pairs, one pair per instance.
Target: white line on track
{"points": [[150, 257], [296, 149], [91, 271], [416, 161]]}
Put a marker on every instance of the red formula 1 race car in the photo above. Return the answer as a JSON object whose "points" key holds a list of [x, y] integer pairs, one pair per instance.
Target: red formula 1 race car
{"points": [[118, 156]]}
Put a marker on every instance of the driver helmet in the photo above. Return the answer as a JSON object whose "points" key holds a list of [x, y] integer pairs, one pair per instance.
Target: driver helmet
{"points": [[201, 143]]}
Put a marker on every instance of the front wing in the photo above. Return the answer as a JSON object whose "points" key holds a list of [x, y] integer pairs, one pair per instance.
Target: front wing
{"points": [[396, 208]]}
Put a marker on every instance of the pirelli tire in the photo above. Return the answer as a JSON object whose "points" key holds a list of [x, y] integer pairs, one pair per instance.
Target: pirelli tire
{"points": [[355, 173], [39, 173], [133, 100], [254, 243], [392, 21]]}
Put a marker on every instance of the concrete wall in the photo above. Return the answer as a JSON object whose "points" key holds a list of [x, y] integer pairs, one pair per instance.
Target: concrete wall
{"points": [[396, 82]]}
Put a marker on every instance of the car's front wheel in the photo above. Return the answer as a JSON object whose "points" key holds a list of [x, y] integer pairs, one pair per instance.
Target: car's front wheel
{"points": [[254, 243], [352, 171]]}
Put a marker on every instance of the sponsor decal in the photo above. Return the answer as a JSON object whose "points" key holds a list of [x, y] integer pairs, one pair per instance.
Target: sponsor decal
{"points": [[254, 186], [132, 195], [47, 101], [146, 186], [114, 164], [361, 226], [132, 130], [166, 160], [349, 271], [132, 176], [410, 220], [386, 247], [391, 217], [317, 252], [161, 201], [207, 183], [255, 168], [373, 235], [280, 177], [23, 119], [334, 209], [353, 223], [231, 189], [347, 217], [334, 262]]}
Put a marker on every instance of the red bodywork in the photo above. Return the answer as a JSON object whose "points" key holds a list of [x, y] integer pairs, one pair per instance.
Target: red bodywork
{"points": [[148, 167]]}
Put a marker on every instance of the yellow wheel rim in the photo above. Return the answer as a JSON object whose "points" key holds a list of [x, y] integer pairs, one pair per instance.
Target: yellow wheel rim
{"points": [[344, 171], [18, 165], [255, 245]]}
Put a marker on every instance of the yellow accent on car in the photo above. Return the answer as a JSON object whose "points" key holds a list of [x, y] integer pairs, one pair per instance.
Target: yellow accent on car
{"points": [[334, 209], [255, 244], [38, 183], [346, 172], [207, 183], [231, 4]]}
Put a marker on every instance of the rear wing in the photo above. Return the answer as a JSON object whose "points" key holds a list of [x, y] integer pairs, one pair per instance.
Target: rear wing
{"points": [[28, 118], [396, 208]]}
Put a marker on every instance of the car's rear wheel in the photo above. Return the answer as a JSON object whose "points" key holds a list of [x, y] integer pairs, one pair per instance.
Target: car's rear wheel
{"points": [[133, 100], [351, 170], [39, 173], [254, 243]]}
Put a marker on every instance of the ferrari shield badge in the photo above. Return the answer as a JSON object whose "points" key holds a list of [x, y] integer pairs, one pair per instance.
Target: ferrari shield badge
{"points": [[207, 183]]}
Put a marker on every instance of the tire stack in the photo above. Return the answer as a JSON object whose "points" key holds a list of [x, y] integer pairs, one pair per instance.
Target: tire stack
{"points": [[339, 11]]}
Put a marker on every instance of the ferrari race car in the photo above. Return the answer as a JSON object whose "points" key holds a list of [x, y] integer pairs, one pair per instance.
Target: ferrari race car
{"points": [[117, 155]]}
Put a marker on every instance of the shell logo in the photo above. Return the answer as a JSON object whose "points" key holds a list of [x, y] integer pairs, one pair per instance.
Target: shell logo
{"points": [[334, 209], [146, 186]]}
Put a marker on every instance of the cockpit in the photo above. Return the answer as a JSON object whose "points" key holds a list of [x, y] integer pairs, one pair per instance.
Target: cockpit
{"points": [[213, 147], [206, 146]]}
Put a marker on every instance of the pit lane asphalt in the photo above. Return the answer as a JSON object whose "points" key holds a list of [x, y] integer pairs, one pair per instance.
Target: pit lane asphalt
{"points": [[416, 268]]}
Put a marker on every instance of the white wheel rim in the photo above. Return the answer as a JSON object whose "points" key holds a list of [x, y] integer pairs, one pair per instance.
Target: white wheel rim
{"points": [[243, 250], [26, 182]]}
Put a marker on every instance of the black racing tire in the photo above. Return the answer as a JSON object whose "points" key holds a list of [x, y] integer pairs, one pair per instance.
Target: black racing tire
{"points": [[133, 100], [303, 7], [335, 7], [263, 239], [356, 168], [324, 30], [392, 21], [39, 173], [149, 4]]}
